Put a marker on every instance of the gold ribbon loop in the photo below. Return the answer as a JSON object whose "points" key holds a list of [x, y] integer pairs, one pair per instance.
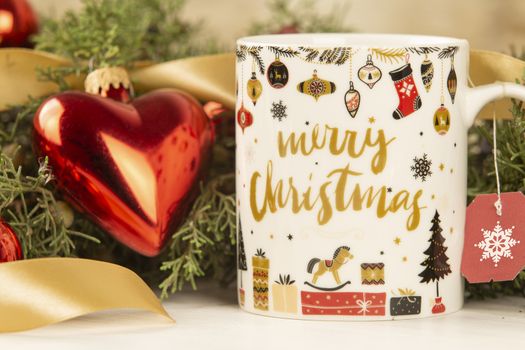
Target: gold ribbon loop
{"points": [[39, 292], [487, 67], [208, 78]]}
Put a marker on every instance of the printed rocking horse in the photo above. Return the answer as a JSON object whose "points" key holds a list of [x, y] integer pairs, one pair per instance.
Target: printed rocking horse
{"points": [[341, 256]]}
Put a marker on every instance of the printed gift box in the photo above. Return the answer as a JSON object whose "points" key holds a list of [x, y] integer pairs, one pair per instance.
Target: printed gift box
{"points": [[373, 273], [284, 295], [261, 265], [343, 303], [242, 296], [405, 304]]}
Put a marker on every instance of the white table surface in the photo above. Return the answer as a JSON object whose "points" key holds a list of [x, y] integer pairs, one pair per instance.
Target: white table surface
{"points": [[210, 319]]}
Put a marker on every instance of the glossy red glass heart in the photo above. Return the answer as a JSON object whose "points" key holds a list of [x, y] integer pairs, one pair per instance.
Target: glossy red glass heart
{"points": [[131, 167]]}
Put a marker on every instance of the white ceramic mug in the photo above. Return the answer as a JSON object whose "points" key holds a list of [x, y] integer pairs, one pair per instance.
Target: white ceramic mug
{"points": [[351, 173]]}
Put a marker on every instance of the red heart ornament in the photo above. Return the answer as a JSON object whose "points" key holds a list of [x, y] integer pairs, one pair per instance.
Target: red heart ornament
{"points": [[131, 167]]}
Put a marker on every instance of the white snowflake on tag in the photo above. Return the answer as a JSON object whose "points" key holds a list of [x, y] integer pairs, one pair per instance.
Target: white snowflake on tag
{"points": [[497, 243]]}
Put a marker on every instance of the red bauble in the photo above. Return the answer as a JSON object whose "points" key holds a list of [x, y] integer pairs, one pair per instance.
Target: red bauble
{"points": [[132, 168], [288, 29], [17, 23], [10, 249], [244, 117]]}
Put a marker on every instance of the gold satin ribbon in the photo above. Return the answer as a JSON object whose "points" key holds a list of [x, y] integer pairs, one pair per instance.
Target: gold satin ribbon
{"points": [[39, 292], [208, 78], [488, 67]]}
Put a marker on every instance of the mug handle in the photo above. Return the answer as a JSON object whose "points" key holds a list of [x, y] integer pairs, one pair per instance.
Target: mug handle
{"points": [[479, 96]]}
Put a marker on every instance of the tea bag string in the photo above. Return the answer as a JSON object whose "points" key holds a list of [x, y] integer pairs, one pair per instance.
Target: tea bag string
{"points": [[497, 204]]}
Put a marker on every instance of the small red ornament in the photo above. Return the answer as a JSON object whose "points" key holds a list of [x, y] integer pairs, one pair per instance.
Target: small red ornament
{"points": [[494, 245], [17, 23], [10, 249], [288, 29], [133, 168], [244, 117]]}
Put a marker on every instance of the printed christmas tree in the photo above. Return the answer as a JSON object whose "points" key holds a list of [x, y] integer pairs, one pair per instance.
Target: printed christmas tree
{"points": [[436, 264], [241, 254]]}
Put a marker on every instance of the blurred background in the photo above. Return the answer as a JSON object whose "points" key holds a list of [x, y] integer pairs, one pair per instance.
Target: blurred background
{"points": [[487, 24]]}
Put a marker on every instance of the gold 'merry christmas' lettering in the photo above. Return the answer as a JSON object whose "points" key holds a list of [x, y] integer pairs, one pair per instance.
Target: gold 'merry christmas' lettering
{"points": [[336, 192]]}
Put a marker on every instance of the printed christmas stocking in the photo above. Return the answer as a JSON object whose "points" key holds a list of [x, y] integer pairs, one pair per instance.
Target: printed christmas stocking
{"points": [[409, 100]]}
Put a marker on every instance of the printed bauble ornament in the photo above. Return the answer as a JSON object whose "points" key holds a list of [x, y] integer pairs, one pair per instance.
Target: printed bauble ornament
{"points": [[369, 73], [10, 249], [442, 120], [452, 82], [427, 73], [277, 74], [17, 23], [316, 87], [352, 100], [132, 168], [244, 117], [254, 88]]}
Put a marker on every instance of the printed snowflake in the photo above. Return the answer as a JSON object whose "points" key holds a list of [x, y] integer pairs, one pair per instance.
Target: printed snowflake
{"points": [[497, 244], [421, 167], [278, 110]]}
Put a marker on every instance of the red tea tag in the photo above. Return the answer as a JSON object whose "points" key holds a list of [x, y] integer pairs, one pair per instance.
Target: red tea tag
{"points": [[494, 248]]}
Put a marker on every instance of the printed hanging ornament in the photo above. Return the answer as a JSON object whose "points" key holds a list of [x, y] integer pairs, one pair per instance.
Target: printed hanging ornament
{"points": [[369, 73], [352, 100], [244, 117], [133, 168], [254, 88], [494, 244], [10, 249], [427, 73], [409, 100], [316, 87], [352, 96], [452, 81], [442, 120], [277, 74]]}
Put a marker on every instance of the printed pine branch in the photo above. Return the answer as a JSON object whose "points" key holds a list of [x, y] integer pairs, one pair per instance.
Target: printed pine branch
{"points": [[243, 51], [338, 55], [448, 52], [283, 52], [425, 50], [390, 55], [240, 52], [311, 54]]}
